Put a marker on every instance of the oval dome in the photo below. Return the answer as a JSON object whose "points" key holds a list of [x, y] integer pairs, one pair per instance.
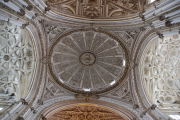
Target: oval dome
{"points": [[88, 61]]}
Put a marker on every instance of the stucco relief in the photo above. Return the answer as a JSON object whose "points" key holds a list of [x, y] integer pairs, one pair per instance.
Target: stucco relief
{"points": [[123, 93], [52, 89], [96, 8], [52, 31], [128, 36], [18, 60], [85, 111], [88, 61], [160, 67]]}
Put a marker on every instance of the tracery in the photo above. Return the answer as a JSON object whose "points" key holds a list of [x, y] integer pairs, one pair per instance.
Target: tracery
{"points": [[160, 71], [17, 64]]}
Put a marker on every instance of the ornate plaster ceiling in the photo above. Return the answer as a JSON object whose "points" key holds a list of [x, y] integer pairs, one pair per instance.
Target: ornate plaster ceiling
{"points": [[85, 112], [88, 61], [96, 8], [17, 61], [160, 70]]}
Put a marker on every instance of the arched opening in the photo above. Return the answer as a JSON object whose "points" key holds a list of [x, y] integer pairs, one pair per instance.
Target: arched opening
{"points": [[160, 73]]}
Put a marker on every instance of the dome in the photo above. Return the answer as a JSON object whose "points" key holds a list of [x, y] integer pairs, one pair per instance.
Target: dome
{"points": [[88, 61]]}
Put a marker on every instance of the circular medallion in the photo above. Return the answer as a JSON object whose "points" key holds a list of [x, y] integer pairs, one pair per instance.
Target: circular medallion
{"points": [[6, 57], [88, 61], [87, 58]]}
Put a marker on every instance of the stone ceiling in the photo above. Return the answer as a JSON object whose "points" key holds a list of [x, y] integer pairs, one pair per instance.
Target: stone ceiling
{"points": [[17, 61], [96, 8], [160, 71], [85, 112], [89, 51], [88, 61]]}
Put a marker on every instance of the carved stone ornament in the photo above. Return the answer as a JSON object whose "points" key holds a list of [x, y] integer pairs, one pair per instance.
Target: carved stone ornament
{"points": [[160, 35], [162, 17], [33, 110], [135, 106], [122, 93], [85, 112], [20, 118], [97, 8], [40, 102], [53, 31], [24, 25], [21, 12], [52, 90], [23, 101], [88, 61], [18, 60], [29, 7], [86, 96], [168, 23], [160, 70]]}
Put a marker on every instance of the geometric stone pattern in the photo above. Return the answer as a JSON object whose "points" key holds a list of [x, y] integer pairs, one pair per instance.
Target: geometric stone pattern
{"points": [[52, 90], [122, 93], [17, 61], [127, 36], [160, 70], [88, 61], [84, 112], [96, 8], [53, 31]]}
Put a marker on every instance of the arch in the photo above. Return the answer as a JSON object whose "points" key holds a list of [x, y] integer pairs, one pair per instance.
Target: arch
{"points": [[118, 110], [145, 41]]}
